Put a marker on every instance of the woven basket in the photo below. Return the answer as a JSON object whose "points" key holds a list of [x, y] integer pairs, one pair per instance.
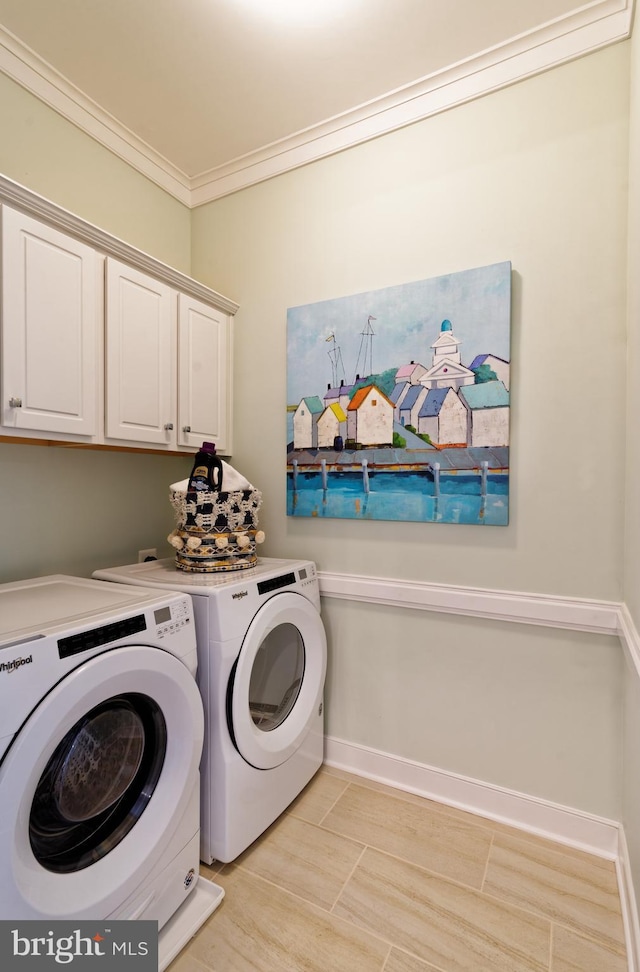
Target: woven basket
{"points": [[216, 531]]}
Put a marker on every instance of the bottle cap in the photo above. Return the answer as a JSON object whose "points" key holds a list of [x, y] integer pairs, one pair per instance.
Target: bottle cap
{"points": [[208, 447]]}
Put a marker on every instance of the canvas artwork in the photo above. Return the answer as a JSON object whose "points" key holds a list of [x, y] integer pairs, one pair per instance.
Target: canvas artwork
{"points": [[398, 402]]}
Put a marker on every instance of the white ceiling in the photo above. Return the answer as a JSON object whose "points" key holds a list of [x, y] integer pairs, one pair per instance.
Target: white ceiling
{"points": [[208, 96]]}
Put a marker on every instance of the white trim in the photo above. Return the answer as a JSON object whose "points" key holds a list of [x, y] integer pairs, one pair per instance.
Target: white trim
{"points": [[580, 614], [25, 67], [595, 835], [628, 904], [586, 29], [629, 638], [27, 201]]}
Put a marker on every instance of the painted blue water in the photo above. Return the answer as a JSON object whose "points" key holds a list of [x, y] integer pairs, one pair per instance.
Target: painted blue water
{"points": [[401, 496]]}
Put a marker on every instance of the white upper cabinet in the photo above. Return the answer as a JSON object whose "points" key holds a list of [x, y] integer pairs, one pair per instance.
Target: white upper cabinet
{"points": [[102, 344], [50, 329], [204, 375], [141, 367]]}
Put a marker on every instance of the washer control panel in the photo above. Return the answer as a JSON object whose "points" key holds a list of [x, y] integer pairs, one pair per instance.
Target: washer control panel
{"points": [[172, 618]]}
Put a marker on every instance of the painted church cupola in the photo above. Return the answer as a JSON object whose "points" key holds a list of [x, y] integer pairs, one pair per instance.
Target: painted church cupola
{"points": [[447, 370]]}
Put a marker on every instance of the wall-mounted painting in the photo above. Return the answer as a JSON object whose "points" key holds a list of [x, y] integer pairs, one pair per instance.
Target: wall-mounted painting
{"points": [[398, 402]]}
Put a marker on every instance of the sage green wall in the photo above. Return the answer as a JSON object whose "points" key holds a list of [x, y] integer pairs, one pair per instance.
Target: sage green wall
{"points": [[535, 174], [43, 151], [62, 509]]}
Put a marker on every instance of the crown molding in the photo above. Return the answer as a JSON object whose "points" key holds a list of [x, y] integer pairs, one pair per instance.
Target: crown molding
{"points": [[22, 65], [587, 29], [27, 201]]}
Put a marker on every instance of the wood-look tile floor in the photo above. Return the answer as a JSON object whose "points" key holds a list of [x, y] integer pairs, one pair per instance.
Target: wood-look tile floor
{"points": [[359, 877]]}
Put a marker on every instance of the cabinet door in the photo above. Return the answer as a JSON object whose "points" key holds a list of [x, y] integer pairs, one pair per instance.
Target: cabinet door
{"points": [[204, 375], [50, 322], [141, 357]]}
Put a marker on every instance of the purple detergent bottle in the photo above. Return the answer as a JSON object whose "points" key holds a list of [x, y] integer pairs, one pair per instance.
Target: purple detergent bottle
{"points": [[207, 470]]}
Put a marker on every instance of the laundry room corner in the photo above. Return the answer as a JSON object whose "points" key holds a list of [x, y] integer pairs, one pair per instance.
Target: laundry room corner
{"points": [[356, 222], [489, 672]]}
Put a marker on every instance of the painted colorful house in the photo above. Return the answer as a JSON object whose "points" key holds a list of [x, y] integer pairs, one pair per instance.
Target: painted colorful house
{"points": [[443, 418], [332, 422], [412, 373], [487, 407], [370, 417], [499, 366], [305, 423], [411, 405], [338, 393], [397, 395]]}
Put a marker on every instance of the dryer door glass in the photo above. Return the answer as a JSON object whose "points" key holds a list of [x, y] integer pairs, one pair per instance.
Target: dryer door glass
{"points": [[97, 782], [276, 677]]}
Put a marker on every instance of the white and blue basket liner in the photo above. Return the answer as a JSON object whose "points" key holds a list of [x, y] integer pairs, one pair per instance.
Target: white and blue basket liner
{"points": [[216, 530]]}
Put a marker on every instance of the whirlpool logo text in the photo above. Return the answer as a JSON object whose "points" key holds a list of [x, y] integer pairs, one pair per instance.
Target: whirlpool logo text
{"points": [[15, 664], [118, 946]]}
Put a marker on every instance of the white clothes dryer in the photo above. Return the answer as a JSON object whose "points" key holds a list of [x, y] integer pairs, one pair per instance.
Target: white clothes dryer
{"points": [[262, 656], [101, 731]]}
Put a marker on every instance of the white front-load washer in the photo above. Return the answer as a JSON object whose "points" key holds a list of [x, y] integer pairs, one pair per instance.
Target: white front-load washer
{"points": [[101, 731], [262, 656]]}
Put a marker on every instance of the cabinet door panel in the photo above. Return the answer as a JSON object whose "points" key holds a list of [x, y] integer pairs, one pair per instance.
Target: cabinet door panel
{"points": [[141, 358], [204, 375], [50, 324]]}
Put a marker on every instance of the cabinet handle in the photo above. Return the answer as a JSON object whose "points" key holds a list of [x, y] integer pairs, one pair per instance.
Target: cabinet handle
{"points": [[186, 428], [169, 427], [15, 403]]}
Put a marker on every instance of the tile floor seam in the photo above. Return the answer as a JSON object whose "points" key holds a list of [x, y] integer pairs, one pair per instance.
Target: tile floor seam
{"points": [[538, 914], [439, 875], [351, 873], [312, 904], [386, 958], [338, 798], [431, 965], [591, 937], [398, 857], [486, 864], [563, 938], [460, 884]]}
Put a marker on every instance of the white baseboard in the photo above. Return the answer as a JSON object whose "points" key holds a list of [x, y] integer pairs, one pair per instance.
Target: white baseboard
{"points": [[585, 831], [595, 835], [629, 906]]}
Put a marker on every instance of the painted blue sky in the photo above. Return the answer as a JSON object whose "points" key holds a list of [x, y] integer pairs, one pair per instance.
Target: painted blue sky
{"points": [[407, 322]]}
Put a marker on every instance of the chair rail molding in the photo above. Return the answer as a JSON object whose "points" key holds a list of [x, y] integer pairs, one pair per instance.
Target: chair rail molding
{"points": [[578, 614]]}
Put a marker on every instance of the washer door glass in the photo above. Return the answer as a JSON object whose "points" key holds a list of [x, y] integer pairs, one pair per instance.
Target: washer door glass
{"points": [[97, 782], [275, 691]]}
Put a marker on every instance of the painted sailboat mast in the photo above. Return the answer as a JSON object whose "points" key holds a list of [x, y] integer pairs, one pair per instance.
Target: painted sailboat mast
{"points": [[365, 352], [337, 366]]}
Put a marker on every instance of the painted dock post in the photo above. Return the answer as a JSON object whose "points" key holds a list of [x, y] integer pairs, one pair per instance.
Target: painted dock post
{"points": [[365, 476], [436, 478], [295, 473], [484, 469], [323, 464]]}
